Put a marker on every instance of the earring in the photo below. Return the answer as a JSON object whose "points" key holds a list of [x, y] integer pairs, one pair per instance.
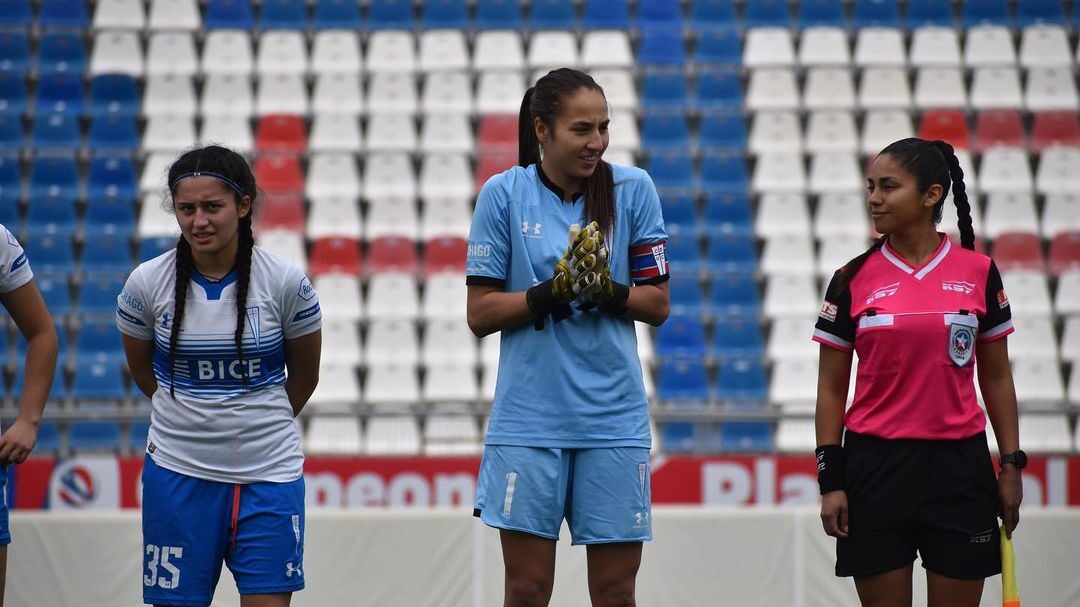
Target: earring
{"points": [[541, 146]]}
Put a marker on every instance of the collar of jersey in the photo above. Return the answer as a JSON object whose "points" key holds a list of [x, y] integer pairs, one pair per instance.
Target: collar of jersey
{"points": [[554, 188], [213, 288], [918, 274]]}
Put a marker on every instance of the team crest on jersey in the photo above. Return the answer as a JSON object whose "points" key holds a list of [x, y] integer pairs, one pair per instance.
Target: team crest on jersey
{"points": [[256, 327], [882, 292], [306, 291], [961, 343], [1003, 299]]}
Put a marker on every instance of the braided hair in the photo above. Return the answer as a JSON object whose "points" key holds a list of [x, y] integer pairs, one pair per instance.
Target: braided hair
{"points": [[233, 171], [931, 163]]}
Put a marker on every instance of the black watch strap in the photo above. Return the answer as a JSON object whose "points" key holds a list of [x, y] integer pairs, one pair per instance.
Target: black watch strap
{"points": [[1017, 458]]}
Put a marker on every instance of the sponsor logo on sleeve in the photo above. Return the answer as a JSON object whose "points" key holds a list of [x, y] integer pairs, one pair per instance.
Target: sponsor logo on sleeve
{"points": [[19, 262], [1003, 299], [306, 291], [829, 311]]}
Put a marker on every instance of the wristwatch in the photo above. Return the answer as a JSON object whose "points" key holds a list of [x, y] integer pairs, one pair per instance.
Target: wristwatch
{"points": [[1017, 458]]}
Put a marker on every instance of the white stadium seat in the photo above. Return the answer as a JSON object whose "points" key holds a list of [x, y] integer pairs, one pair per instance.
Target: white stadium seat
{"points": [[117, 52], [339, 297], [391, 385], [794, 381], [884, 88], [233, 132], [1010, 212], [155, 172], [153, 221], [227, 95], [768, 47], [841, 214], [392, 93], [227, 52], [1005, 170], [824, 46], [996, 88], [281, 52], [882, 127], [174, 15], [795, 436], [168, 133], [390, 51], [1033, 340], [335, 133], [169, 95], [391, 298], [445, 297], [937, 88], [443, 50], [549, 50], [831, 131], [449, 342], [1057, 172], [935, 47], [790, 296], [392, 217], [390, 341], [1045, 432], [391, 133], [338, 93], [880, 46], [835, 172], [989, 45], [605, 49], [1061, 213], [838, 250], [618, 85], [119, 15], [334, 216], [789, 339], [341, 342], [1067, 297], [446, 435], [171, 53], [1044, 46], [450, 384], [623, 131], [446, 176], [445, 217], [498, 50], [499, 93], [1029, 293], [779, 172], [388, 176], [1051, 88], [287, 244], [446, 134], [393, 435], [775, 132], [447, 93], [332, 175], [338, 389], [772, 89], [336, 52], [782, 215], [281, 94], [829, 88], [333, 435]]}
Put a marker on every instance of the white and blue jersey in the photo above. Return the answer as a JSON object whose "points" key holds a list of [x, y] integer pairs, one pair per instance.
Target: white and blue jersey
{"points": [[14, 273], [217, 427], [578, 382]]}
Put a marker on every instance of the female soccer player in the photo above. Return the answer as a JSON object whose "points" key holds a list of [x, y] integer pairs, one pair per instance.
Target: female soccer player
{"points": [[22, 300], [209, 330], [569, 431], [914, 473]]}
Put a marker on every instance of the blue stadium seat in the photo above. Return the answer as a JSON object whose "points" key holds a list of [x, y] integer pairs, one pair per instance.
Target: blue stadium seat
{"points": [[683, 379], [13, 96], [95, 339], [71, 14], [9, 216], [719, 47], [728, 211], [446, 14], [722, 133], [551, 15], [498, 14], [50, 253], [683, 437], [606, 14], [106, 254], [96, 436], [877, 13], [337, 14], [661, 48], [109, 215], [58, 392], [665, 133], [767, 13], [10, 184], [737, 336], [228, 14], [659, 13], [683, 253], [686, 296], [1048, 12], [113, 135], [821, 13], [48, 439], [724, 173], [681, 336], [986, 12], [137, 436], [734, 293], [114, 95], [12, 137], [390, 14], [283, 15], [712, 14], [61, 94], [732, 252], [664, 91], [61, 52], [15, 14], [930, 12], [14, 52], [55, 135], [54, 290], [719, 91], [111, 177], [680, 213], [50, 215], [742, 379], [97, 295], [672, 172], [746, 437], [150, 248], [53, 178]]}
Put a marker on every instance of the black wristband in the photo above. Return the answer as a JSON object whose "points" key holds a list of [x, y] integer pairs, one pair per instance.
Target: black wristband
{"points": [[617, 304], [830, 466], [541, 301]]}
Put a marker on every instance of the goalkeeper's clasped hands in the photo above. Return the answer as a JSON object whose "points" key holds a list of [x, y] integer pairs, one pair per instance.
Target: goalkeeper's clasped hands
{"points": [[582, 275]]}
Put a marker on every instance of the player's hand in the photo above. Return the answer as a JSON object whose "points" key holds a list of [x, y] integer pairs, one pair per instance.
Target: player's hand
{"points": [[17, 443], [576, 273], [834, 513], [1010, 493]]}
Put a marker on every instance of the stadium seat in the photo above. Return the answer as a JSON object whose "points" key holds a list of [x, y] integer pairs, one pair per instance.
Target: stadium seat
{"points": [[281, 94], [498, 50], [1061, 213], [106, 253], [935, 47], [447, 133], [1005, 170], [445, 217], [445, 297], [48, 440], [228, 14], [686, 296], [1032, 12], [1064, 254], [768, 47], [606, 49], [447, 93], [826, 46], [63, 14], [94, 437], [282, 211], [1045, 46], [332, 175], [333, 435], [782, 215], [443, 50], [1070, 339], [948, 125], [681, 337], [390, 51], [937, 13], [551, 15], [446, 254], [834, 131], [111, 178], [989, 46], [772, 89], [336, 14], [169, 95], [731, 252], [97, 296], [338, 389], [876, 13], [279, 173], [683, 253], [708, 15], [719, 91], [680, 214], [334, 255], [53, 178], [446, 435], [286, 244], [60, 93], [54, 289], [981, 12], [1038, 382], [112, 95], [341, 342], [722, 133], [734, 293], [1054, 128], [736, 336], [790, 295], [1056, 173], [724, 173], [881, 47], [661, 133], [394, 216], [283, 15], [779, 172], [50, 215], [111, 135], [728, 212], [169, 134], [683, 379], [339, 297], [829, 88], [174, 14], [151, 247], [336, 52], [390, 15], [389, 176], [233, 132], [884, 88], [392, 435], [390, 386], [391, 133], [16, 14], [171, 53], [606, 15], [882, 127], [995, 128], [446, 15], [281, 52], [392, 93], [337, 94], [1050, 89], [1018, 251], [996, 88], [12, 143], [1029, 292], [447, 343], [775, 132], [664, 92], [281, 133], [392, 254], [822, 13], [14, 99], [117, 52], [1046, 432], [788, 255], [549, 50], [391, 340], [746, 437], [741, 382], [227, 51], [446, 384], [498, 15], [718, 47], [767, 13]]}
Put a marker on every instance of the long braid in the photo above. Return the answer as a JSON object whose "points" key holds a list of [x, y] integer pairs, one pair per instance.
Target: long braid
{"points": [[243, 279], [184, 265], [960, 198]]}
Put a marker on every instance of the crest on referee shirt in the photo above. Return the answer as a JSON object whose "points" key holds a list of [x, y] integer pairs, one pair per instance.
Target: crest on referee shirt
{"points": [[961, 343]]}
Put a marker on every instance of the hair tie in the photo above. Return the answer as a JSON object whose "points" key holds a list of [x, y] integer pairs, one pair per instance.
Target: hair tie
{"points": [[223, 179]]}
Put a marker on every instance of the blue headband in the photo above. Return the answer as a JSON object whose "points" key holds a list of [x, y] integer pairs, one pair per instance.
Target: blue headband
{"points": [[223, 179]]}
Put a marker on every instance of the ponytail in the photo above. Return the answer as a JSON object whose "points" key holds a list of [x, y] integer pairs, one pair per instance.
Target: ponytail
{"points": [[960, 198], [528, 144]]}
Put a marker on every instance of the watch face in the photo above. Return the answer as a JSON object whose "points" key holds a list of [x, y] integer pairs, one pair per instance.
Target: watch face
{"points": [[1021, 459]]}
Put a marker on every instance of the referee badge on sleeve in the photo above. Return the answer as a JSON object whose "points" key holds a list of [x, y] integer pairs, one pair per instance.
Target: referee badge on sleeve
{"points": [[961, 343]]}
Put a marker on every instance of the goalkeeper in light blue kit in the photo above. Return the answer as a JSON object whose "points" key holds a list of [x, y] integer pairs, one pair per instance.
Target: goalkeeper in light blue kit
{"points": [[555, 245]]}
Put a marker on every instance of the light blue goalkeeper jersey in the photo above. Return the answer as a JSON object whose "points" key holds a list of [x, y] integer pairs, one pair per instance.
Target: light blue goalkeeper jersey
{"points": [[576, 383]]}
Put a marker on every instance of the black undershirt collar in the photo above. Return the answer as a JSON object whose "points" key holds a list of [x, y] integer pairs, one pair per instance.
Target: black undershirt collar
{"points": [[554, 188]]}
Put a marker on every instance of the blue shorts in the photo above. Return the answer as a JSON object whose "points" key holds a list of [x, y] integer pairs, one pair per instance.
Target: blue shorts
{"points": [[603, 493], [191, 525], [5, 530]]}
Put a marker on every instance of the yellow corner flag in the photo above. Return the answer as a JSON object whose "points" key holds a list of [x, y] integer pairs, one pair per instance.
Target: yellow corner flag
{"points": [[1010, 596]]}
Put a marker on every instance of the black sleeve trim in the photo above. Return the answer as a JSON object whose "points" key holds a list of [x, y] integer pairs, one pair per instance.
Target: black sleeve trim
{"points": [[655, 280], [485, 281]]}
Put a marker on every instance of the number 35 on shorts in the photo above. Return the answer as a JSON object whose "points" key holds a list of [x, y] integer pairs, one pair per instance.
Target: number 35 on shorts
{"points": [[162, 567]]}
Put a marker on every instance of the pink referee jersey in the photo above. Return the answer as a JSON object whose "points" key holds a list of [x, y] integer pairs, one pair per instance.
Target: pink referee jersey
{"points": [[915, 331]]}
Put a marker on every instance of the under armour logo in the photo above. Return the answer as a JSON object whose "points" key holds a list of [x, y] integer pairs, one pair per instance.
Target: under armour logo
{"points": [[290, 570], [531, 230], [165, 321], [641, 519]]}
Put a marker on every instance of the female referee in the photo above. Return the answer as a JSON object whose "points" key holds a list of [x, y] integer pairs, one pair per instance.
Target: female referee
{"points": [[569, 430], [22, 300], [914, 473], [209, 330]]}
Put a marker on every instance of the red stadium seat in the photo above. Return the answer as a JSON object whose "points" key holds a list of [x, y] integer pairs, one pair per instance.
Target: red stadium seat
{"points": [[281, 133], [498, 131], [446, 254], [947, 125], [392, 254], [999, 128], [281, 211], [336, 255], [493, 162], [1018, 251], [1054, 128], [279, 173], [1064, 253]]}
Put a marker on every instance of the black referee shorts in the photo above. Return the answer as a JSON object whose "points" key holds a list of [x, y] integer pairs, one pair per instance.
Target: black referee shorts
{"points": [[937, 498]]}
